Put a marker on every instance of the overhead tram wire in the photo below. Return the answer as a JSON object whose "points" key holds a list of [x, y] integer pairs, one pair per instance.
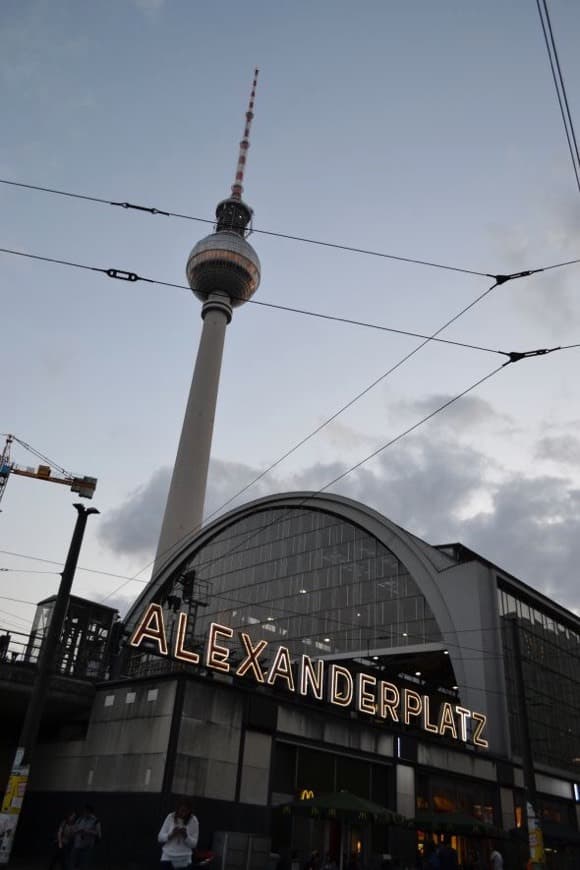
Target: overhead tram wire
{"points": [[560, 87], [472, 629], [500, 279], [448, 403], [131, 276], [285, 611], [164, 213], [271, 305]]}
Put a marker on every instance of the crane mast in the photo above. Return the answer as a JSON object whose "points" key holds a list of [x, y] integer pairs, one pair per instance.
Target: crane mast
{"points": [[48, 471]]}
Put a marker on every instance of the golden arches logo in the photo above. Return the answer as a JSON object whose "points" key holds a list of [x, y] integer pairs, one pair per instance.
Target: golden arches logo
{"points": [[306, 794]]}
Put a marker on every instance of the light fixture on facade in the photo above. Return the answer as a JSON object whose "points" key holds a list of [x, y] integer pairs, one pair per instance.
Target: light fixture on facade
{"points": [[375, 658], [270, 618], [303, 591], [455, 688], [326, 640], [405, 634], [445, 652], [417, 673]]}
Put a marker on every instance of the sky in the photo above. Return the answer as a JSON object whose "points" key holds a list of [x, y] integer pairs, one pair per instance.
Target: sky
{"points": [[425, 130]]}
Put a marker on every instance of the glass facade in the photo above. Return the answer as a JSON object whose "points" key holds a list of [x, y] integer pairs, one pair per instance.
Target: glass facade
{"points": [[551, 663], [302, 578]]}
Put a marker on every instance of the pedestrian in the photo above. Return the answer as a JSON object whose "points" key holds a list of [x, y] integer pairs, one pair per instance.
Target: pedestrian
{"points": [[178, 837], [313, 862], [4, 644], [447, 856], [86, 833], [495, 859], [431, 858], [63, 842]]}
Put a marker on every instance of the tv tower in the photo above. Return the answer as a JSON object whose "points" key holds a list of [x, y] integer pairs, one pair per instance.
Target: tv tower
{"points": [[223, 270]]}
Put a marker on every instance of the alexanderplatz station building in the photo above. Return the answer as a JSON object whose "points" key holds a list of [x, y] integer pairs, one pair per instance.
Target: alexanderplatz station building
{"points": [[307, 671], [303, 645]]}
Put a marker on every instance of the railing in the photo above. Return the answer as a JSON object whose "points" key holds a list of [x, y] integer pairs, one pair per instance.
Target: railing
{"points": [[16, 647], [87, 661]]}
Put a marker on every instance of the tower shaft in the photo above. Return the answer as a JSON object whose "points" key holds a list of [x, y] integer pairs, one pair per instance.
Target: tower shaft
{"points": [[184, 509]]}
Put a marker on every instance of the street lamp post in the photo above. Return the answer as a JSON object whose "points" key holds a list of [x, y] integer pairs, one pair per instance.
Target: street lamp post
{"points": [[19, 773]]}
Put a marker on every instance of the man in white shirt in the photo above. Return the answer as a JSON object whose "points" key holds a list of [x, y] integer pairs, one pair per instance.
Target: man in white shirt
{"points": [[496, 860], [178, 837]]}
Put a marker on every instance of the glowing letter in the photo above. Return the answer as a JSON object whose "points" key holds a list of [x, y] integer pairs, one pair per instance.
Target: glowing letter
{"points": [[311, 676], [216, 656], [412, 705], [184, 655], [427, 724], [481, 721], [390, 700], [151, 627], [446, 720], [464, 714], [281, 667], [341, 699], [366, 701], [253, 653]]}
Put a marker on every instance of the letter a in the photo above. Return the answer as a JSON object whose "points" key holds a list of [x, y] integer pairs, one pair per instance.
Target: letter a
{"points": [[151, 627]]}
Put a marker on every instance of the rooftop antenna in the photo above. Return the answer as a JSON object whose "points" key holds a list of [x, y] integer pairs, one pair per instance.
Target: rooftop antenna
{"points": [[237, 186]]}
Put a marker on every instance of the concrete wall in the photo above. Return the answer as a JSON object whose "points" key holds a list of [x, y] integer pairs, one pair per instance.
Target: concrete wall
{"points": [[125, 747], [208, 747], [334, 732]]}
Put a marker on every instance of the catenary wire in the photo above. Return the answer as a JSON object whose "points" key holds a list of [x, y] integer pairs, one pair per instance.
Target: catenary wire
{"points": [[273, 306], [500, 279], [361, 462], [285, 611], [61, 564], [17, 600], [334, 245], [560, 87], [513, 358]]}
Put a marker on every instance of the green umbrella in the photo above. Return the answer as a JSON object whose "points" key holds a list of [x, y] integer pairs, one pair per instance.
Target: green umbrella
{"points": [[343, 805]]}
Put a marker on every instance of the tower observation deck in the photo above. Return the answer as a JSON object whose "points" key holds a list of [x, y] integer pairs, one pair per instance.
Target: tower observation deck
{"points": [[223, 271]]}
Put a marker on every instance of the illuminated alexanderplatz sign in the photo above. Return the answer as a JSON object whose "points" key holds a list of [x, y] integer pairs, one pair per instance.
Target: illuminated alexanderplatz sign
{"points": [[325, 681]]}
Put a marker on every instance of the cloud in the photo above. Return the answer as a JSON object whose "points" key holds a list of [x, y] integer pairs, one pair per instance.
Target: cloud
{"points": [[470, 411], [433, 485], [551, 297], [133, 528], [559, 448], [149, 7], [533, 531]]}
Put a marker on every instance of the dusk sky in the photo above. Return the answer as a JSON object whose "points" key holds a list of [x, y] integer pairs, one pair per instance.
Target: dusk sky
{"points": [[428, 130]]}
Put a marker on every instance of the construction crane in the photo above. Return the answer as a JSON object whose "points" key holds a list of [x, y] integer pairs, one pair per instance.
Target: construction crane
{"points": [[84, 486]]}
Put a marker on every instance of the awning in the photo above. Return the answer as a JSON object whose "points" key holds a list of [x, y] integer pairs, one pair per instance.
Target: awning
{"points": [[561, 834], [454, 823], [345, 806]]}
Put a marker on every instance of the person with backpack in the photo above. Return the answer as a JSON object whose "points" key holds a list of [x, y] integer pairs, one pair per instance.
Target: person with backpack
{"points": [[86, 833], [178, 837], [431, 861], [63, 843]]}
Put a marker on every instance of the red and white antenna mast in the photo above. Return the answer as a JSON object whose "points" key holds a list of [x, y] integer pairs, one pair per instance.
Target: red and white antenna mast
{"points": [[237, 186]]}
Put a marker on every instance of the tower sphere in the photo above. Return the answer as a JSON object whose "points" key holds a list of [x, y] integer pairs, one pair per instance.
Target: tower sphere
{"points": [[224, 263]]}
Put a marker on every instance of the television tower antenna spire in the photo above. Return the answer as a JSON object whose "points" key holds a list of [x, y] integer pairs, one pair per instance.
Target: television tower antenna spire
{"points": [[238, 185]]}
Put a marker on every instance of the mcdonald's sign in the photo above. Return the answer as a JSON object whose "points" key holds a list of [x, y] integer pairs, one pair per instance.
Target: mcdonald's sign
{"points": [[306, 794]]}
